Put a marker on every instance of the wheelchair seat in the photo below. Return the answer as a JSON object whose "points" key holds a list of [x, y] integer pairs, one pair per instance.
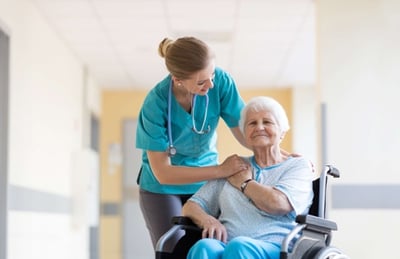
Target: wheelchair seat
{"points": [[309, 239]]}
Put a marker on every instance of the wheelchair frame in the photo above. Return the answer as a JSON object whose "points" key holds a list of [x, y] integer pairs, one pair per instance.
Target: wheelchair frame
{"points": [[309, 239]]}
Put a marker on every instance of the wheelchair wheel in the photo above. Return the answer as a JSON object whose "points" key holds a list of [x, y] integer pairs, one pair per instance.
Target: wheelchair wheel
{"points": [[330, 252]]}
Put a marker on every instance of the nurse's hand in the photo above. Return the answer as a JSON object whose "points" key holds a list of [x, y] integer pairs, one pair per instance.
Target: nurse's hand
{"points": [[232, 165], [286, 154]]}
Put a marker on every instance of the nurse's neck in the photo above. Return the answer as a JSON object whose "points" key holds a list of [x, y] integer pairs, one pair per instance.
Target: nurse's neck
{"points": [[183, 96]]}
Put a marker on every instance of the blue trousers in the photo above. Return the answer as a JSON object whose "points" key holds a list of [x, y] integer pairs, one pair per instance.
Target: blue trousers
{"points": [[239, 247]]}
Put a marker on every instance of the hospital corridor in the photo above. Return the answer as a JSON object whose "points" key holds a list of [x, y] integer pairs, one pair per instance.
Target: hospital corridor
{"points": [[74, 75]]}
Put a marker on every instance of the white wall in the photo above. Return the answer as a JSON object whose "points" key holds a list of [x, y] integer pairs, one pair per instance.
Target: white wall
{"points": [[304, 125], [359, 58], [47, 112]]}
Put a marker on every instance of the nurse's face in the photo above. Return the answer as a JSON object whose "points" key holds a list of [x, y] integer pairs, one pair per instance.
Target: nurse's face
{"points": [[200, 82]]}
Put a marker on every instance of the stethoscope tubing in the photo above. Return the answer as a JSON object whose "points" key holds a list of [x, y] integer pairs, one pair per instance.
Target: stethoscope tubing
{"points": [[171, 149], [194, 128]]}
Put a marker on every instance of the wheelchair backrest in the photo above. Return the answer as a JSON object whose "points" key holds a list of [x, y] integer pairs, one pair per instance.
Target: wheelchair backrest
{"points": [[318, 206], [314, 209]]}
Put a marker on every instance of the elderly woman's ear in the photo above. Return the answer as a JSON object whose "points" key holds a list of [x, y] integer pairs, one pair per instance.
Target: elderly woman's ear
{"points": [[282, 135]]}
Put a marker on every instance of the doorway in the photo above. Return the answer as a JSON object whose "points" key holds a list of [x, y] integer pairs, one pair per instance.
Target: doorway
{"points": [[136, 241]]}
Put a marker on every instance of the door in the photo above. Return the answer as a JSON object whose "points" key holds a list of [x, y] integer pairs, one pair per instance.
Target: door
{"points": [[135, 238]]}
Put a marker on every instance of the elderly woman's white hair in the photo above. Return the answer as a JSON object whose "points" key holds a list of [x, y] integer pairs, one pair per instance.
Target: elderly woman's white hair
{"points": [[263, 103]]}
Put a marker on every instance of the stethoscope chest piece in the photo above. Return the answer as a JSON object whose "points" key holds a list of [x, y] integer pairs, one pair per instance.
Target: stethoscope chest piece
{"points": [[171, 151]]}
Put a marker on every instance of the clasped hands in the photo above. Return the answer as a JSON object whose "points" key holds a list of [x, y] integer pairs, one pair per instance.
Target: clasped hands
{"points": [[236, 170]]}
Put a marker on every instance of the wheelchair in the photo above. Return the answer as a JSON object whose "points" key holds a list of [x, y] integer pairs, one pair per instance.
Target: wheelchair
{"points": [[309, 239]]}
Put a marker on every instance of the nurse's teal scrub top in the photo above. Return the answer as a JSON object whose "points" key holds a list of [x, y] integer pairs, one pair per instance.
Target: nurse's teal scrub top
{"points": [[193, 149]]}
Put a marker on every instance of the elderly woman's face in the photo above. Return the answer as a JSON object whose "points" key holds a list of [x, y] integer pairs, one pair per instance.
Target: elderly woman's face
{"points": [[261, 129]]}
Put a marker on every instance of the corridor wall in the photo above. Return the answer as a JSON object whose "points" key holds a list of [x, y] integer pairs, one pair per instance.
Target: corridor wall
{"points": [[50, 94], [359, 60]]}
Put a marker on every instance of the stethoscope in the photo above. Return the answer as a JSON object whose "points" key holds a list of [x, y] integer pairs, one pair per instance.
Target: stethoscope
{"points": [[201, 131]]}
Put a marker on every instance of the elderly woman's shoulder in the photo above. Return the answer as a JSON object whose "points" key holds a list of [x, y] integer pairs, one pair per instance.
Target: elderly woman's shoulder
{"points": [[299, 161]]}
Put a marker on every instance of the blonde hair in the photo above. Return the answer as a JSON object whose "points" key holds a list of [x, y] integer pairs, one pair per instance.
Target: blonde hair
{"points": [[185, 56]]}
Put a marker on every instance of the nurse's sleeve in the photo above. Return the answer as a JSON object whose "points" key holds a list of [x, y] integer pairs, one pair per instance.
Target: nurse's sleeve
{"points": [[151, 131], [231, 101]]}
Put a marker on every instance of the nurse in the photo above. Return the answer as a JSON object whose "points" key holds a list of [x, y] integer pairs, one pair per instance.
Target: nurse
{"points": [[177, 131]]}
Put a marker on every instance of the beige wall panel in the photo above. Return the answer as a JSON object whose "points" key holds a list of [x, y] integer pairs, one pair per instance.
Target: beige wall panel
{"points": [[110, 238], [116, 106]]}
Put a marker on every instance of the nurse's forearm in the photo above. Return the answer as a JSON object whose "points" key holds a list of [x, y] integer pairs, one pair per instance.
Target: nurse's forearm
{"points": [[182, 174], [172, 174]]}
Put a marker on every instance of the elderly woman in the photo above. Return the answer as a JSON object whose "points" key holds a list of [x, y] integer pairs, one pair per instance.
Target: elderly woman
{"points": [[248, 214]]}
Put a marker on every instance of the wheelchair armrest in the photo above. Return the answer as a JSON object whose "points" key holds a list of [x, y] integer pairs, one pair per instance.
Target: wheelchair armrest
{"points": [[308, 223], [316, 223], [179, 223], [185, 223], [182, 220]]}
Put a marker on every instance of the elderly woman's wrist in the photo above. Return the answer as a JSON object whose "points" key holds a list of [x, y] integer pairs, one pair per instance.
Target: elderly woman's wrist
{"points": [[244, 184]]}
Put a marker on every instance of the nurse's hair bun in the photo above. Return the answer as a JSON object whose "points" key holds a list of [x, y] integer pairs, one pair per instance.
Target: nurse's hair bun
{"points": [[164, 45]]}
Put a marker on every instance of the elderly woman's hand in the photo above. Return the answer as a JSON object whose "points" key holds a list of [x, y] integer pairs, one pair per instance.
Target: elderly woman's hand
{"points": [[236, 180], [213, 228]]}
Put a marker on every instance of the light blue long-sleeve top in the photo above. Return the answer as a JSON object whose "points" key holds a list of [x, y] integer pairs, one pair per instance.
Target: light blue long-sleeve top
{"points": [[241, 217]]}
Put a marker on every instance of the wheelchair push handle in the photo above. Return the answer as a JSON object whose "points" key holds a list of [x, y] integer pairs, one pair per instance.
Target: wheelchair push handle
{"points": [[332, 171]]}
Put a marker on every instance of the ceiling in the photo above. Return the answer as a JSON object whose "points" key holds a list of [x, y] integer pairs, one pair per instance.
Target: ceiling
{"points": [[262, 43]]}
